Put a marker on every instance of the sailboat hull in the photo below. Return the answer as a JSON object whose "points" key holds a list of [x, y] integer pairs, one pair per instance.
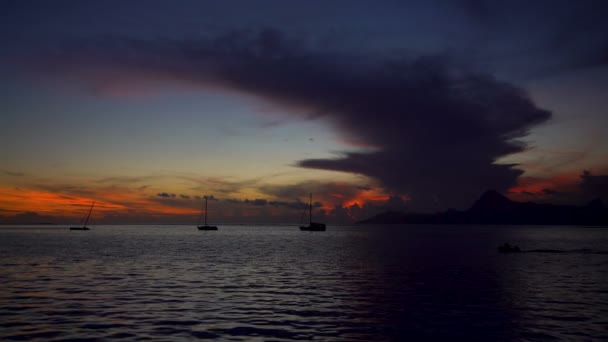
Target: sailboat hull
{"points": [[314, 227], [86, 221], [80, 228], [207, 228]]}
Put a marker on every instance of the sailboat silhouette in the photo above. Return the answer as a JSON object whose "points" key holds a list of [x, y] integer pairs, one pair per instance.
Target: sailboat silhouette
{"points": [[205, 226], [312, 226], [84, 226]]}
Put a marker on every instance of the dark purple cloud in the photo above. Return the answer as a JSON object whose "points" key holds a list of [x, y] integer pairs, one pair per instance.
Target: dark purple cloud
{"points": [[434, 129]]}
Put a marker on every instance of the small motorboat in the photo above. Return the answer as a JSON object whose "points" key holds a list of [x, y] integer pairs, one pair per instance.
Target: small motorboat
{"points": [[507, 248]]}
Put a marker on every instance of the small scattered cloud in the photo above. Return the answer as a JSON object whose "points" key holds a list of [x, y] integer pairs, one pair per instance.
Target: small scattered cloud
{"points": [[551, 192], [297, 205], [126, 180], [257, 201], [165, 195], [12, 173]]}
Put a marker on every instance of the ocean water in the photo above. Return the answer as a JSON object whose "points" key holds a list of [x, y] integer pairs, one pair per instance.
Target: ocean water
{"points": [[245, 283]]}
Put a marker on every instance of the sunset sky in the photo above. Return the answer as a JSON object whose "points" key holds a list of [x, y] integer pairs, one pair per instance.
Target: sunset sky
{"points": [[146, 106]]}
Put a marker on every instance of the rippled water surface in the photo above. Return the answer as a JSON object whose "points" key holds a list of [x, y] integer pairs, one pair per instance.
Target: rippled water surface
{"points": [[278, 283]]}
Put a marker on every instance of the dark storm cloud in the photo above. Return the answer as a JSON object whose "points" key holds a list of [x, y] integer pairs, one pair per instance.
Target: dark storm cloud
{"points": [[184, 196], [434, 129]]}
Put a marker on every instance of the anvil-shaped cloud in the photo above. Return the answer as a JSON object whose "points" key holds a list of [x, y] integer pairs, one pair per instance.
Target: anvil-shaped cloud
{"points": [[433, 130]]}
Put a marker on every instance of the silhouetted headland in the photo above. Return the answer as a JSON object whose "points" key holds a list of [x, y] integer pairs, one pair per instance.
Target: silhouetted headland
{"points": [[494, 208]]}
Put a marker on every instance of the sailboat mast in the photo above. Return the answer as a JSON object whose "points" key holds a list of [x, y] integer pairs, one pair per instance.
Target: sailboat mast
{"points": [[205, 210], [310, 209], [88, 215], [201, 215]]}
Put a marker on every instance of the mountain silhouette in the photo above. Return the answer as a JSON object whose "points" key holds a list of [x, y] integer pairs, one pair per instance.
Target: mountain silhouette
{"points": [[494, 208]]}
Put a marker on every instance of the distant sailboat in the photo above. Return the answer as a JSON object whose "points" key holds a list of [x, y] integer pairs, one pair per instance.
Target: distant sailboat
{"points": [[84, 226], [205, 227], [312, 226]]}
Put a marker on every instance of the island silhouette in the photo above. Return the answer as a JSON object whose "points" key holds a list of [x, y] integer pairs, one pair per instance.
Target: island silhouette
{"points": [[493, 208]]}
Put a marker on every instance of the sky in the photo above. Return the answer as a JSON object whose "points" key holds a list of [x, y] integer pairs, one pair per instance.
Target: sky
{"points": [[148, 106]]}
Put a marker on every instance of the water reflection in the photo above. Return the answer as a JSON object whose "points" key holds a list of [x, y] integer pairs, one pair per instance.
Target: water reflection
{"points": [[352, 283]]}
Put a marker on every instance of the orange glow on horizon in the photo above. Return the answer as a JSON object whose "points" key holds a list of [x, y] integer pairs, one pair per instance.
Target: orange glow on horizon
{"points": [[546, 189], [566, 181], [72, 206], [114, 204], [22, 200], [362, 198]]}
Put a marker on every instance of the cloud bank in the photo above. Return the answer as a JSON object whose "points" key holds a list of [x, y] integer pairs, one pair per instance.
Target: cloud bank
{"points": [[431, 129]]}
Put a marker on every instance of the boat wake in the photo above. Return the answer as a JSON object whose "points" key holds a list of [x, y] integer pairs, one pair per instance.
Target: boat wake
{"points": [[565, 251]]}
